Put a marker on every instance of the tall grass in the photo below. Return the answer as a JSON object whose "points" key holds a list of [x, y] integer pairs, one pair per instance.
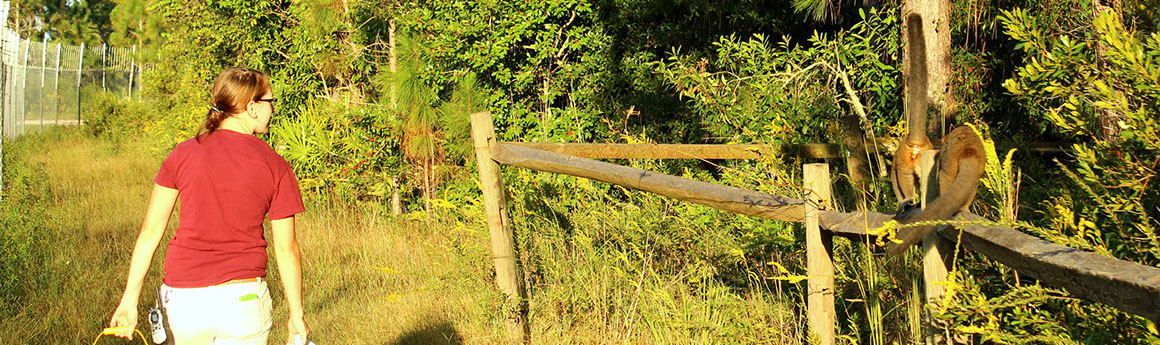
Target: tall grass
{"points": [[80, 200], [602, 265], [369, 280]]}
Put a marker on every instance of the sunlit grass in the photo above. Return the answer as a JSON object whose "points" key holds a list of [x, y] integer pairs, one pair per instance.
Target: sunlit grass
{"points": [[369, 279], [93, 195], [375, 278]]}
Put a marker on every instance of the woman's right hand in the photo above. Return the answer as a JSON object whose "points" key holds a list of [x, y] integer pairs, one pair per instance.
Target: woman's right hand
{"points": [[296, 326], [125, 316]]}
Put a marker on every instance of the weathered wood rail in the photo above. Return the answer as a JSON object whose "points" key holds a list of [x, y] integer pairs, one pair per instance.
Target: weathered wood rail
{"points": [[1128, 286], [723, 151]]}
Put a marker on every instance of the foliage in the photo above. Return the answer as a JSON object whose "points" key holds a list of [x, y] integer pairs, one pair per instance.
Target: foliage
{"points": [[1110, 178], [652, 268], [1015, 312], [1015, 317], [688, 71], [119, 23], [546, 64], [215, 35], [28, 234], [1065, 84], [738, 91], [332, 145], [111, 116], [70, 21], [134, 22], [1002, 179]]}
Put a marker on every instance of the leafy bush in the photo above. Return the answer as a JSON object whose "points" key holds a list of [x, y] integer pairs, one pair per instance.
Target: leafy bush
{"points": [[27, 236], [741, 91], [1101, 200], [111, 116], [1081, 89]]}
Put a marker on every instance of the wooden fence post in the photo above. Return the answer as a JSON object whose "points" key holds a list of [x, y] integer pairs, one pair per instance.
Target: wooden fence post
{"points": [[819, 255], [934, 268], [503, 252]]}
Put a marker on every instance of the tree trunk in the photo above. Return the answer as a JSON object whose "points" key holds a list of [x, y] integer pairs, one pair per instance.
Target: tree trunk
{"points": [[546, 104], [396, 199], [391, 58], [428, 171], [427, 188], [1109, 119], [936, 27]]}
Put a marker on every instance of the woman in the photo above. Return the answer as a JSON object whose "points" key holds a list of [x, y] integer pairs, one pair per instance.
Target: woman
{"points": [[228, 180]]}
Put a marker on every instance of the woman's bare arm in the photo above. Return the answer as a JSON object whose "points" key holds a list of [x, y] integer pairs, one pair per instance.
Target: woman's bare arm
{"points": [[152, 229], [289, 260]]}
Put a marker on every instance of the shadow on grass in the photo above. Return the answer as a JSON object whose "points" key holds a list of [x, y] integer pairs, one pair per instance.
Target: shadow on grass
{"points": [[442, 332]]}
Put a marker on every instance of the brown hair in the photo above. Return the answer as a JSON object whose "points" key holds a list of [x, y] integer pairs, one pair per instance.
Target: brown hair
{"points": [[232, 91]]}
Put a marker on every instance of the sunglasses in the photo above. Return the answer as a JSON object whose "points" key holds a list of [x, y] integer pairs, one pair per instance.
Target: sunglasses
{"points": [[270, 100]]}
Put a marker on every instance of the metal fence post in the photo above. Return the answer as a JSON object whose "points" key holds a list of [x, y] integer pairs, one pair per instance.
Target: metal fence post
{"points": [[132, 69], [3, 98], [10, 81], [23, 88], [56, 86], [104, 64], [43, 69], [5, 63], [80, 71]]}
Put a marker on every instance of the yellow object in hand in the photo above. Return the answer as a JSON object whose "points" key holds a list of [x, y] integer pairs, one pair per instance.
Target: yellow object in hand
{"points": [[115, 330], [119, 329]]}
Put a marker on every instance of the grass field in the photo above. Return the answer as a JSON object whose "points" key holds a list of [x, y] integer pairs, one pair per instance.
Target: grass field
{"points": [[606, 272], [370, 278]]}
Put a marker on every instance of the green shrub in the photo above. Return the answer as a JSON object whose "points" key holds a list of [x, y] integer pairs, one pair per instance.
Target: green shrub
{"points": [[26, 237], [112, 116]]}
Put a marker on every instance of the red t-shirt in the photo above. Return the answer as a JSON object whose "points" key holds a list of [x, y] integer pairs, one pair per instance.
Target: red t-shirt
{"points": [[227, 184]]}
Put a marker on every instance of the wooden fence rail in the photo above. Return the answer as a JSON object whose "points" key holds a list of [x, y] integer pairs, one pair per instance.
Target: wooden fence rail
{"points": [[1125, 285], [728, 198], [1128, 286], [727, 151]]}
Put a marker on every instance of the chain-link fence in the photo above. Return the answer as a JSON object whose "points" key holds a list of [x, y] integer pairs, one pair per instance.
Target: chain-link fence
{"points": [[45, 83]]}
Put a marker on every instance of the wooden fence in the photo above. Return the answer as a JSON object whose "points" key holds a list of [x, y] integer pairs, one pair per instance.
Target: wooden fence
{"points": [[1128, 286]]}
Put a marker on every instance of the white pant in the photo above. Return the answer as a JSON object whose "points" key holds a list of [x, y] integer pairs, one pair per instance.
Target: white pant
{"points": [[234, 314]]}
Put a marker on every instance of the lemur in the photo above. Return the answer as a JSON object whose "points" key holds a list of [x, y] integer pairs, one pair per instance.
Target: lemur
{"points": [[962, 160]]}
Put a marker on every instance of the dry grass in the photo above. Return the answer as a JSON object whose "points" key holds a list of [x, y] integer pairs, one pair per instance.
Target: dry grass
{"points": [[96, 196], [376, 280], [372, 278], [369, 279]]}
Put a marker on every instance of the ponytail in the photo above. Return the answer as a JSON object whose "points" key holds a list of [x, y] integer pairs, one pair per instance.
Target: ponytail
{"points": [[213, 121], [234, 88]]}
